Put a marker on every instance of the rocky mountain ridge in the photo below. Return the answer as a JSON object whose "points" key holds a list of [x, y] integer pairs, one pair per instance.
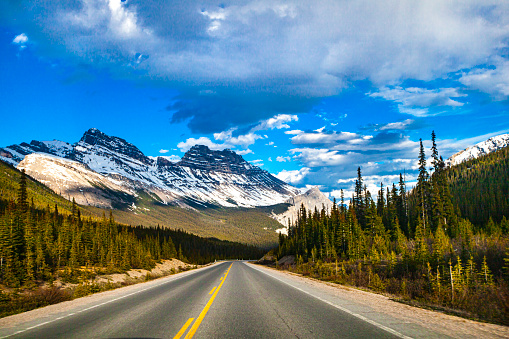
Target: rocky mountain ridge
{"points": [[107, 171], [311, 199], [482, 148]]}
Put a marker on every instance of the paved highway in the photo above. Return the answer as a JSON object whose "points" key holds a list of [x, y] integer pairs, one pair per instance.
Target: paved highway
{"points": [[225, 300]]}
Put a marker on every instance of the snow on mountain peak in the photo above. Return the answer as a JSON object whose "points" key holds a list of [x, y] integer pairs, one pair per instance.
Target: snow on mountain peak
{"points": [[201, 175], [485, 147]]}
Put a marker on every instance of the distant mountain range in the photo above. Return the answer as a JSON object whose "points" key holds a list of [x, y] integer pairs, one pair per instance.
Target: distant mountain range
{"points": [[485, 147], [109, 172], [106, 171]]}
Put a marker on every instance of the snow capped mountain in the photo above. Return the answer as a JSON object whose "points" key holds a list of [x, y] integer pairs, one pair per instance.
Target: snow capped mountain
{"points": [[311, 199], [14, 154], [480, 149], [105, 171]]}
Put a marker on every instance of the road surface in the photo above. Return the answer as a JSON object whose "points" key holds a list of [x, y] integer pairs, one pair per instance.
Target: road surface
{"points": [[225, 300]]}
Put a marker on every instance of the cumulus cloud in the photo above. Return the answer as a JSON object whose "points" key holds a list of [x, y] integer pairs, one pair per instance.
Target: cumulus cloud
{"points": [[163, 151], [244, 152], [21, 40], [277, 122], [184, 146], [295, 177], [231, 52], [283, 159], [416, 100], [244, 140], [234, 137], [494, 80]]}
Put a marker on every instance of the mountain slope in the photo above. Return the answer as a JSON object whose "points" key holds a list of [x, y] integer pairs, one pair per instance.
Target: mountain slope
{"points": [[480, 187], [483, 148], [311, 199]]}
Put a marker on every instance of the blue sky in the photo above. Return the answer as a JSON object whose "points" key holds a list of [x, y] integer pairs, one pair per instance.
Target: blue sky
{"points": [[306, 90]]}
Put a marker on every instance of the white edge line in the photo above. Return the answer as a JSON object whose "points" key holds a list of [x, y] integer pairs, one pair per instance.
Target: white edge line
{"points": [[385, 328], [109, 301]]}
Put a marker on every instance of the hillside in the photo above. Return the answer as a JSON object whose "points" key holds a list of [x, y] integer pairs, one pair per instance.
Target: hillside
{"points": [[480, 187], [42, 195], [251, 226]]}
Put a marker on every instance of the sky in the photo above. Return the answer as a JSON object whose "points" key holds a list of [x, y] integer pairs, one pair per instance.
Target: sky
{"points": [[307, 90]]}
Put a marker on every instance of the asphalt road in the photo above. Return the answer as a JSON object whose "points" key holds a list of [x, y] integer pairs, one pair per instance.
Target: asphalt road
{"points": [[226, 300]]}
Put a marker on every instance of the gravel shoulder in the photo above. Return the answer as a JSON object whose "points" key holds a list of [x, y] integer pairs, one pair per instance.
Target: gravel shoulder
{"points": [[441, 323]]}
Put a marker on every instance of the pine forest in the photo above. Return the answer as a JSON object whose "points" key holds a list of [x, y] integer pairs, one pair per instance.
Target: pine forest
{"points": [[443, 244]]}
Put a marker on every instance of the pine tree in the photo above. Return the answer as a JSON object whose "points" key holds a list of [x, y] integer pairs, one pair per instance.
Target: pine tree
{"points": [[422, 188], [359, 199], [403, 206]]}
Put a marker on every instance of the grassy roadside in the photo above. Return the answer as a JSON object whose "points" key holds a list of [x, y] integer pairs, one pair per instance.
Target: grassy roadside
{"points": [[491, 308], [87, 282]]}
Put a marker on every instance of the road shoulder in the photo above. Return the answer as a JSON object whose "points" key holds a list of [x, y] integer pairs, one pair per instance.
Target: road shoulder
{"points": [[405, 319]]}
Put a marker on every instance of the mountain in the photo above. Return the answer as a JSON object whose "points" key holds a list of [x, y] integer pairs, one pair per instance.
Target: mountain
{"points": [[106, 171], [310, 199], [480, 149]]}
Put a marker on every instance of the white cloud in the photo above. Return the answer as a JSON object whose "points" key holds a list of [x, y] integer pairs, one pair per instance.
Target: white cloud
{"points": [[320, 137], [294, 132], [244, 152], [163, 151], [184, 146], [293, 177], [400, 125], [320, 47], [283, 159], [279, 121], [494, 81], [416, 100], [244, 140], [313, 157], [21, 39]]}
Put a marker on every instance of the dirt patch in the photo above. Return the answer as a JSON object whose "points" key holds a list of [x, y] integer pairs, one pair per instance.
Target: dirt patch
{"points": [[164, 268]]}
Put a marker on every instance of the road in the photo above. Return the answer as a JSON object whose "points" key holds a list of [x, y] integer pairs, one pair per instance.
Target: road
{"points": [[225, 300]]}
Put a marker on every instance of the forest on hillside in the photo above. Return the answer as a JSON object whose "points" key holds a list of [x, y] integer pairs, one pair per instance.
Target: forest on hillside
{"points": [[43, 244], [445, 243]]}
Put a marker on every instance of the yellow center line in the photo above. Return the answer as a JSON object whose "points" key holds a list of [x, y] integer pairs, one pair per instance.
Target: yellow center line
{"points": [[203, 313], [212, 291], [184, 328]]}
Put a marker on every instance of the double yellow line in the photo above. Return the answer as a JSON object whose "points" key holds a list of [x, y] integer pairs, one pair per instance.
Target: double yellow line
{"points": [[203, 312]]}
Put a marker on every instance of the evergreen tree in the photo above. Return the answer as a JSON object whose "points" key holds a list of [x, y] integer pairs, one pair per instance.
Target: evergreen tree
{"points": [[422, 188]]}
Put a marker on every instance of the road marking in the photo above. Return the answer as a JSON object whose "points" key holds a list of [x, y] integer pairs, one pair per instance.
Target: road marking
{"points": [[184, 328], [212, 291], [203, 313], [385, 328], [165, 280]]}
